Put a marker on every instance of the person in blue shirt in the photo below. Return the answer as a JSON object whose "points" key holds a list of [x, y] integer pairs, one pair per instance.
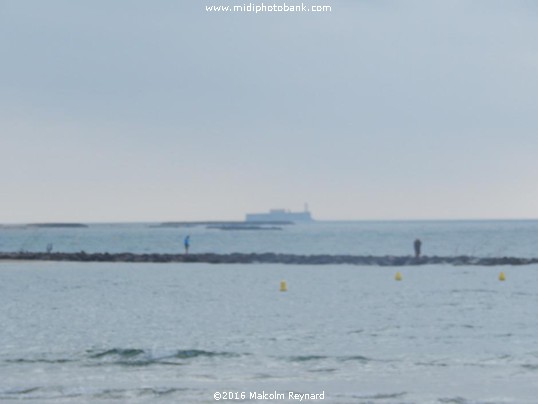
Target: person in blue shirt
{"points": [[187, 243]]}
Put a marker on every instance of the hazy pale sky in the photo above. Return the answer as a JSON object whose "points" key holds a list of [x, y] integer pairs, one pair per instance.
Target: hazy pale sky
{"points": [[132, 110]]}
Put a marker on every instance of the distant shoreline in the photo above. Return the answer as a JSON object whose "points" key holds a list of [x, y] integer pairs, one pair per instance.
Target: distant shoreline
{"points": [[44, 225], [187, 224], [266, 258]]}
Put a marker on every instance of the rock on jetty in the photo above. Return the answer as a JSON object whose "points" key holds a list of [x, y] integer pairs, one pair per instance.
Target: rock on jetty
{"points": [[266, 258]]}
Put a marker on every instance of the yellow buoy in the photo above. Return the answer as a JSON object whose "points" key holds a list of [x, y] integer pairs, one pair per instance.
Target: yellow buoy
{"points": [[502, 277], [398, 276], [283, 286]]}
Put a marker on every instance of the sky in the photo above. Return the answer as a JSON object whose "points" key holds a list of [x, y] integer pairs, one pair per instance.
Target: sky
{"points": [[129, 110]]}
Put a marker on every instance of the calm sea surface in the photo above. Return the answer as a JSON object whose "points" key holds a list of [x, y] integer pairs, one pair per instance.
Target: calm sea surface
{"points": [[477, 238], [141, 333]]}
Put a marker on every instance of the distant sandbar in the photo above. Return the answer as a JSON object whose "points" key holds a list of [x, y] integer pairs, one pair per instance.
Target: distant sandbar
{"points": [[57, 225]]}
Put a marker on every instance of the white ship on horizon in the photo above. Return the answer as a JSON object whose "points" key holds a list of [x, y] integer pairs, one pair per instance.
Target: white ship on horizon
{"points": [[280, 215]]}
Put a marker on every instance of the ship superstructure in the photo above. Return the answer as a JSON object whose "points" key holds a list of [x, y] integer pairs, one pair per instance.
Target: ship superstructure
{"points": [[280, 215]]}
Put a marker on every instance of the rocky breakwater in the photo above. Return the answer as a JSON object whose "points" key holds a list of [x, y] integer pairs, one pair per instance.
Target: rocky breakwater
{"points": [[265, 258]]}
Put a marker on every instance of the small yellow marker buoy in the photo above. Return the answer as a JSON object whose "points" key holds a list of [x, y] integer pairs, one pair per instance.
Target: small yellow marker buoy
{"points": [[398, 276], [502, 277], [283, 286]]}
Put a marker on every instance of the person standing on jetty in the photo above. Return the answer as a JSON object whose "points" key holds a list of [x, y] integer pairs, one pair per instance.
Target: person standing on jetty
{"points": [[187, 243], [417, 244]]}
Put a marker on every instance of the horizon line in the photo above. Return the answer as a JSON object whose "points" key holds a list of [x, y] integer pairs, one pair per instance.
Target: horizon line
{"points": [[241, 221]]}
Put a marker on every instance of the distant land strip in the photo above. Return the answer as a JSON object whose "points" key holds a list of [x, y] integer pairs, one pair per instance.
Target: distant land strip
{"points": [[266, 258]]}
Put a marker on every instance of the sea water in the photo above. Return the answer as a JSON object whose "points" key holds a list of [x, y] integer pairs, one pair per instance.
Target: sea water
{"points": [[89, 332], [446, 238]]}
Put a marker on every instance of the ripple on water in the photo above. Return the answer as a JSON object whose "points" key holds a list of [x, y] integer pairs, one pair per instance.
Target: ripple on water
{"points": [[140, 357]]}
